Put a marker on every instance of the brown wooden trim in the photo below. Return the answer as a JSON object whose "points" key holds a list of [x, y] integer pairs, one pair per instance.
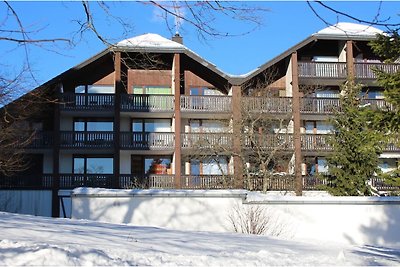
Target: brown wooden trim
{"points": [[177, 92], [55, 206], [350, 60], [296, 126], [237, 117], [119, 88]]}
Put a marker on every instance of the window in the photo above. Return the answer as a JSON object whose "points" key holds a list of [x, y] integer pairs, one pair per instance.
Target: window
{"points": [[202, 91], [210, 166], [199, 125], [95, 89], [93, 125], [151, 125], [93, 165], [157, 165], [152, 90]]}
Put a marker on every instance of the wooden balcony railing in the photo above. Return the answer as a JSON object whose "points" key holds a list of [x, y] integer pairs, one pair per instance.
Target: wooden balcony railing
{"points": [[280, 182], [164, 181], [322, 70], [315, 142], [365, 70], [380, 104], [267, 104], [147, 141], [207, 181], [26, 181], [206, 140], [316, 105], [87, 102], [206, 104], [147, 103], [95, 139], [68, 181], [269, 141]]}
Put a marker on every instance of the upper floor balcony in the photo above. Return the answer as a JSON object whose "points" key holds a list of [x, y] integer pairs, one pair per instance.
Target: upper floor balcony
{"points": [[338, 70], [87, 102], [274, 105], [328, 106], [199, 106], [147, 103], [147, 141], [40, 140], [86, 140]]}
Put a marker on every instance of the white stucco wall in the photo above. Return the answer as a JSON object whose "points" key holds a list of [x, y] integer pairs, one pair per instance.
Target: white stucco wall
{"points": [[355, 220]]}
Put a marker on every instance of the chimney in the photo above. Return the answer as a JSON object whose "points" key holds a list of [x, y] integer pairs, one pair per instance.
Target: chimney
{"points": [[177, 38]]}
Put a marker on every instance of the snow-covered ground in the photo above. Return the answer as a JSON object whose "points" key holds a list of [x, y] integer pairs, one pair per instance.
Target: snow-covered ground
{"points": [[29, 240]]}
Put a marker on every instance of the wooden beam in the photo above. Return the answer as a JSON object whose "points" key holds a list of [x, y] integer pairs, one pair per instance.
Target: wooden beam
{"points": [[177, 115], [296, 126], [350, 60], [237, 133], [119, 87]]}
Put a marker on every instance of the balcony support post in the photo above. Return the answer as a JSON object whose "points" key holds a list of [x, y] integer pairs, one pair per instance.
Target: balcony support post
{"points": [[176, 85], [119, 88], [296, 126], [237, 133], [55, 202], [350, 60]]}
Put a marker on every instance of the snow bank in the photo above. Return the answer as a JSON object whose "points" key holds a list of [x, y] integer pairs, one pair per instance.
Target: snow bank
{"points": [[28, 240]]}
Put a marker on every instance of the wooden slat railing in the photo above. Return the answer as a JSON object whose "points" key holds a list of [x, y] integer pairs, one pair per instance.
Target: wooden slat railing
{"points": [[87, 102], [147, 141], [94, 139], [25, 181], [269, 141], [365, 70], [267, 104], [68, 181], [41, 140], [206, 140], [206, 104], [315, 142], [316, 105], [164, 181], [322, 69], [207, 181], [147, 103], [276, 182]]}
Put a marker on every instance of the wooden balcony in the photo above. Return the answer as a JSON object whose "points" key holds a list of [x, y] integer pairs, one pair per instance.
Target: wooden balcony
{"points": [[87, 102], [366, 70], [278, 141], [315, 142], [206, 104], [206, 140], [315, 105], [69, 181], [163, 181], [20, 181], [328, 106], [147, 103], [274, 105], [207, 181], [87, 140], [41, 140], [147, 141], [326, 70]]}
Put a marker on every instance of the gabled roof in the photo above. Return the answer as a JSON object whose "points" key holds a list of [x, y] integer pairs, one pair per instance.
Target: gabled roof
{"points": [[150, 40], [339, 31]]}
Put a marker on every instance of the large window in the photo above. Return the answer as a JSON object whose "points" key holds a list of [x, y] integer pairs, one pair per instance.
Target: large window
{"points": [[151, 125], [152, 90], [210, 166], [147, 165], [102, 125], [93, 165], [202, 91], [95, 89], [198, 125]]}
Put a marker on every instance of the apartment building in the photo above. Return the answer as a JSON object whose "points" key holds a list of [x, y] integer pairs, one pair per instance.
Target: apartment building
{"points": [[151, 113]]}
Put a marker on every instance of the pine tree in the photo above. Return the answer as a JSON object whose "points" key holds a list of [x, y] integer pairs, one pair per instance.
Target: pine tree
{"points": [[356, 145], [387, 46]]}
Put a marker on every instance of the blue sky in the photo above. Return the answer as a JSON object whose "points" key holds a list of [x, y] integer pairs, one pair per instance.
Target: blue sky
{"points": [[286, 24]]}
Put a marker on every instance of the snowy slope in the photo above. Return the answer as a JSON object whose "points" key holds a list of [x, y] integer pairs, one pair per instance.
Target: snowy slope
{"points": [[29, 240]]}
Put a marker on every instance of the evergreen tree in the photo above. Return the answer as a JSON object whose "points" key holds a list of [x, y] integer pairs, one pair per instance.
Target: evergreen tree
{"points": [[387, 46], [356, 145]]}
